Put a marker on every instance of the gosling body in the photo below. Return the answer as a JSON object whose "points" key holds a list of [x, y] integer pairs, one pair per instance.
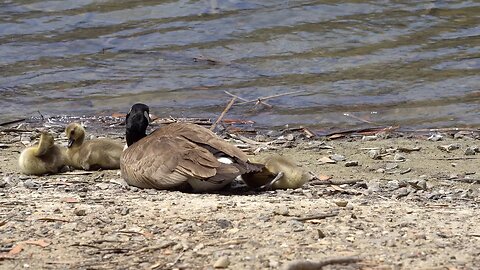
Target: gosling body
{"points": [[43, 158], [278, 173], [91, 154]]}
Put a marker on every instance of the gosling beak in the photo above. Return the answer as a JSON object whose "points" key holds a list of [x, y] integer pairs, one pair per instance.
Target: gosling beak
{"points": [[70, 142]]}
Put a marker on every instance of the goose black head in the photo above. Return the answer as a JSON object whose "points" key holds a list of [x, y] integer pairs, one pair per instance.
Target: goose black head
{"points": [[136, 123]]}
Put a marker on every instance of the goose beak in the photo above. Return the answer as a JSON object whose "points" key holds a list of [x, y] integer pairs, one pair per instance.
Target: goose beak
{"points": [[70, 142]]}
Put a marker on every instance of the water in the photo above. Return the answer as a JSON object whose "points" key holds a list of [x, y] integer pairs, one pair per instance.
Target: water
{"points": [[408, 63]]}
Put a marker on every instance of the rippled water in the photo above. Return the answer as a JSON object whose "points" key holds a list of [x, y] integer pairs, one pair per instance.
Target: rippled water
{"points": [[408, 63]]}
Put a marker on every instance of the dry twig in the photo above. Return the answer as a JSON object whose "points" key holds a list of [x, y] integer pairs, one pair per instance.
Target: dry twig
{"points": [[318, 216], [229, 105]]}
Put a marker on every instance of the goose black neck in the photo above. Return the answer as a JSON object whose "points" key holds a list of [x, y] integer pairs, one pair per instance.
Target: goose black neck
{"points": [[136, 127]]}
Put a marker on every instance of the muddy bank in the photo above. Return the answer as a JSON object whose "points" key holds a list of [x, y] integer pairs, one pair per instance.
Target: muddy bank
{"points": [[396, 201]]}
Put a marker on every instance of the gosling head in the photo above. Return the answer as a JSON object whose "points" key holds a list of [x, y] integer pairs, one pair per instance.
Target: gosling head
{"points": [[47, 139], [75, 134], [136, 123]]}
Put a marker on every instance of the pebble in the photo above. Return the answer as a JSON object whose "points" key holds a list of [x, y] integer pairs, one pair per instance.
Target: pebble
{"points": [[30, 184], [449, 147], [3, 183], [401, 192], [222, 262], [391, 166], [373, 186], [374, 154], [435, 137], [337, 157], [351, 163], [321, 234], [281, 210], [341, 203], [80, 212], [224, 223], [399, 157], [470, 151]]}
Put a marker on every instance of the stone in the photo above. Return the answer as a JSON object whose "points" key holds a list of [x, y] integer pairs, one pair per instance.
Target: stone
{"points": [[80, 212], [338, 157], [351, 163], [222, 262], [374, 154]]}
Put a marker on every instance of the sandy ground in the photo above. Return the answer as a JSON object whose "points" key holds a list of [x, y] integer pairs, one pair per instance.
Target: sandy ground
{"points": [[415, 206]]}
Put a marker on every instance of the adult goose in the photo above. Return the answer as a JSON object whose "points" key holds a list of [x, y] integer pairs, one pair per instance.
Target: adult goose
{"points": [[178, 156], [45, 157]]}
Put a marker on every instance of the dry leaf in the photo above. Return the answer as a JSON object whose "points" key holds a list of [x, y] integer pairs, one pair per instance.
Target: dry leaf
{"points": [[16, 249], [147, 234], [40, 242], [324, 177]]}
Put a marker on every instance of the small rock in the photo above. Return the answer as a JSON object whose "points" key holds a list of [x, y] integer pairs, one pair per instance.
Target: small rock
{"points": [[320, 234], [222, 262], [401, 192], [225, 223], [374, 154], [80, 212], [290, 137], [337, 157], [435, 137], [3, 183], [103, 186], [373, 186], [391, 166], [449, 147], [399, 157], [281, 210], [30, 184], [470, 151], [125, 211], [341, 203], [351, 163], [422, 184]]}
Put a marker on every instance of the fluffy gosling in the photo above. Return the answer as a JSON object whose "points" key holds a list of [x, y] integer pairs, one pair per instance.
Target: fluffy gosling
{"points": [[43, 158], [91, 154], [278, 173]]}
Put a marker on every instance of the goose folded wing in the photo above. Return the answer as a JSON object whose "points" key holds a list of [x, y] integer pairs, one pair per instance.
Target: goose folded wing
{"points": [[203, 137], [165, 162]]}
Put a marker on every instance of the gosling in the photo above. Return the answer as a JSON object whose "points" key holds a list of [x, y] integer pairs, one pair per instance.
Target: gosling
{"points": [[92, 154], [278, 173], [43, 158]]}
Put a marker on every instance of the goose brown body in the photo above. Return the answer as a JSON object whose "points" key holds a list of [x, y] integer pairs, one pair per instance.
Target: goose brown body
{"points": [[91, 154], [179, 155], [43, 158]]}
